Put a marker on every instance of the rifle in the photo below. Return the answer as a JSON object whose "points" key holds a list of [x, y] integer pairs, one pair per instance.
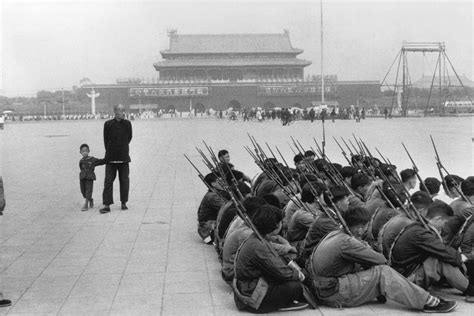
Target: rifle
{"points": [[415, 168], [202, 177], [338, 213], [439, 166], [342, 150], [440, 169], [359, 145], [350, 151], [276, 177]]}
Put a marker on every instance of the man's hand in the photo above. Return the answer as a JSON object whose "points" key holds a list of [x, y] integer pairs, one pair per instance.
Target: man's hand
{"points": [[301, 276]]}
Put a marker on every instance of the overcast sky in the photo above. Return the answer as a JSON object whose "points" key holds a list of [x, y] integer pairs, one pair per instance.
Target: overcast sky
{"points": [[53, 44]]}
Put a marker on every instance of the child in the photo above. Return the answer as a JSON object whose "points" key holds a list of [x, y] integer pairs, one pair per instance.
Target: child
{"points": [[87, 175]]}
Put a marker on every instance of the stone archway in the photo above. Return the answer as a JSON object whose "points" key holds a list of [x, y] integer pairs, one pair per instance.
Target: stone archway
{"points": [[200, 108], [235, 105]]}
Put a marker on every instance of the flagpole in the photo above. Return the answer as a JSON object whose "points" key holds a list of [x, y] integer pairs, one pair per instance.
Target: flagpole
{"points": [[322, 60], [322, 84]]}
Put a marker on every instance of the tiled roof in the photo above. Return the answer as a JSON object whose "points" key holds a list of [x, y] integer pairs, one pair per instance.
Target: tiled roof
{"points": [[230, 43], [231, 62]]}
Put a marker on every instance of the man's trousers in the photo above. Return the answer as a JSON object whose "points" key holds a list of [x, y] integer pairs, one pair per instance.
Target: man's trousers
{"points": [[433, 269], [110, 174], [365, 286]]}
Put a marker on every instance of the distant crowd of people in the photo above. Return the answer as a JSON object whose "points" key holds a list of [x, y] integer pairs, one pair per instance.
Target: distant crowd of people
{"points": [[286, 115]]}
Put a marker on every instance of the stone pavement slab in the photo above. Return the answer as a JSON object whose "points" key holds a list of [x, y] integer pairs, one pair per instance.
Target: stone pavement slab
{"points": [[57, 260]]}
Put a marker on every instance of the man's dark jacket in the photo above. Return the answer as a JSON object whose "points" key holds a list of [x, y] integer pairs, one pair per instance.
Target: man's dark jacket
{"points": [[415, 245], [210, 206], [321, 226], [117, 136]]}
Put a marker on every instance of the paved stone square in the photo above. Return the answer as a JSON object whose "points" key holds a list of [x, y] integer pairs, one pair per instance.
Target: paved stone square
{"points": [[57, 260]]}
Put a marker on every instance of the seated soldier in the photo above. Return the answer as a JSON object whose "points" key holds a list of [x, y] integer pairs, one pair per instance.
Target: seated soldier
{"points": [[419, 254], [208, 209], [347, 172], [224, 163], [285, 178], [309, 155], [302, 218], [463, 238], [433, 185], [263, 282], [270, 164], [227, 212], [363, 189], [225, 216], [339, 280], [235, 239], [293, 204], [387, 234], [453, 185], [409, 179], [236, 221], [300, 163], [323, 224], [461, 207], [384, 213]]}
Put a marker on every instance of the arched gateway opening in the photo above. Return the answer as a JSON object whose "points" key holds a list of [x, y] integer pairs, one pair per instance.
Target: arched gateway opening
{"points": [[199, 107], [170, 108], [235, 105]]}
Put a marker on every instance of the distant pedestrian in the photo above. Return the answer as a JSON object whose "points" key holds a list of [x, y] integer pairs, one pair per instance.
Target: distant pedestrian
{"points": [[117, 137], [324, 114], [3, 302], [333, 115], [357, 115], [312, 114], [87, 175], [2, 121]]}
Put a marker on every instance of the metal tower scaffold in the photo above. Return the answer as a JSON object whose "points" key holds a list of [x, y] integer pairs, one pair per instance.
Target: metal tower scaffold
{"points": [[402, 88]]}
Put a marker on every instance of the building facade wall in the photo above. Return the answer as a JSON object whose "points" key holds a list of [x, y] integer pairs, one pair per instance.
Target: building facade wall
{"points": [[223, 96]]}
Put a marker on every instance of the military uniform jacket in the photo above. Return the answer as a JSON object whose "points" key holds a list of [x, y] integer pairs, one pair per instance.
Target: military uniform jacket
{"points": [[415, 245], [209, 207], [254, 261]]}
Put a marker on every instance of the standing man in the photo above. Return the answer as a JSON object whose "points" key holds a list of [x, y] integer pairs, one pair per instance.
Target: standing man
{"points": [[117, 136], [3, 302]]}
